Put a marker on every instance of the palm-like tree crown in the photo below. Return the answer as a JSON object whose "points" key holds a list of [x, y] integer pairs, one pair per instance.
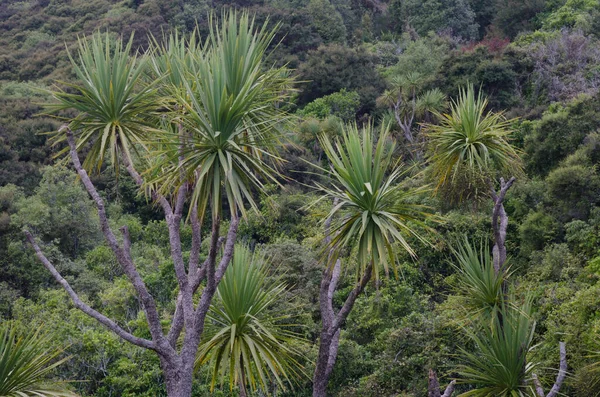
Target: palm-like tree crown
{"points": [[246, 341], [114, 112], [470, 140], [231, 117], [374, 210], [25, 363]]}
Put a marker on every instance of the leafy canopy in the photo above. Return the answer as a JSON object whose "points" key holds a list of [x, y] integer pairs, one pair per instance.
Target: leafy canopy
{"points": [[231, 119], [114, 111]]}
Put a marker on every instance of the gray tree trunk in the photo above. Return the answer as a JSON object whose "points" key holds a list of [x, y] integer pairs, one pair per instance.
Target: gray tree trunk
{"points": [[434, 386], [500, 223]]}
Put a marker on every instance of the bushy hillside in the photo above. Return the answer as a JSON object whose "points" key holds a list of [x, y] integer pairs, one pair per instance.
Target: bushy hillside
{"points": [[397, 63]]}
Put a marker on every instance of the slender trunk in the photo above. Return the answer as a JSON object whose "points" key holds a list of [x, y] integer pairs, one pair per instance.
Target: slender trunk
{"points": [[242, 385], [332, 324], [434, 386], [320, 377], [499, 249], [500, 223]]}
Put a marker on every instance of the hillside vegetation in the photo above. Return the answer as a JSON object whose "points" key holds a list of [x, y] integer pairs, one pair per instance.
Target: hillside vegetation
{"points": [[355, 197]]}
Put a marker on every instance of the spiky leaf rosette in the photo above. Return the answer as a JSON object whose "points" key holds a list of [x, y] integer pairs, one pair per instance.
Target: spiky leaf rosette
{"points": [[247, 342], [477, 281], [114, 111], [498, 365], [469, 141], [231, 119], [373, 210]]}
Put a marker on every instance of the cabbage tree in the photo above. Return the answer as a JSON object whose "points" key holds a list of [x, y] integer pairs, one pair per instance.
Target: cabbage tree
{"points": [[372, 214]]}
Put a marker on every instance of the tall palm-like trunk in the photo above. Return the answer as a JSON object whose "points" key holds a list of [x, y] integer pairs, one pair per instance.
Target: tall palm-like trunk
{"points": [[372, 216], [217, 156]]}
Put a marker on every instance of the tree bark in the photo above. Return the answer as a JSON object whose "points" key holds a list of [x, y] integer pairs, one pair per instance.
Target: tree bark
{"points": [[560, 378], [332, 323], [434, 386], [499, 223]]}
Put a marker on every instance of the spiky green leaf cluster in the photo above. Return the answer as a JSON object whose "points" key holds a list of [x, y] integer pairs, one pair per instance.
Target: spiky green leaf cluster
{"points": [[372, 209], [25, 364], [498, 365], [477, 281], [469, 139], [115, 113], [231, 117], [247, 343]]}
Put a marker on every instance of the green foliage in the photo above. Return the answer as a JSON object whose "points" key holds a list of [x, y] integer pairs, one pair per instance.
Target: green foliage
{"points": [[560, 131], [537, 230], [499, 366], [477, 282], [342, 104], [455, 17], [398, 330], [375, 211], [25, 363], [515, 16], [233, 119], [311, 129], [573, 190], [469, 140], [587, 380], [424, 55], [572, 14], [497, 76], [327, 21], [60, 209], [107, 365], [334, 67], [114, 113], [245, 342]]}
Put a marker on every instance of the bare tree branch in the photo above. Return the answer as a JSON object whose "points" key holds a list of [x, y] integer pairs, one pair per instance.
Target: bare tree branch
{"points": [[122, 254], [333, 283], [140, 287], [340, 318], [107, 322], [562, 372], [434, 390], [228, 250], [500, 223], [560, 378], [156, 197], [449, 389], [194, 261]]}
